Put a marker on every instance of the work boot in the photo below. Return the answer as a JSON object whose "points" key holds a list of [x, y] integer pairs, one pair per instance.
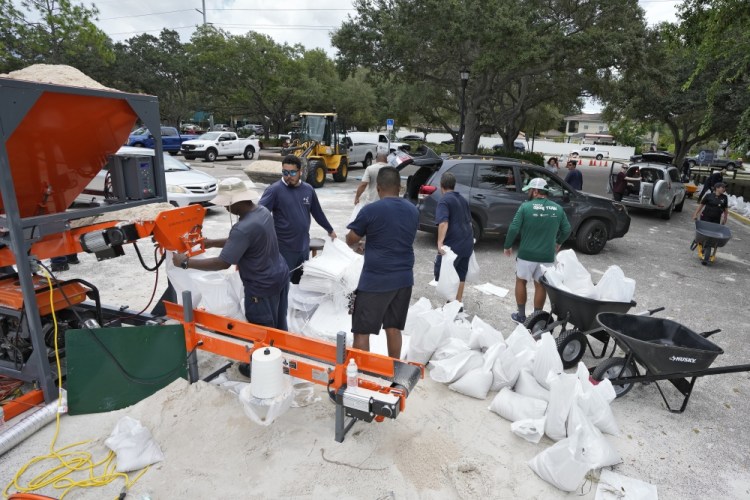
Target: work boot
{"points": [[59, 267], [73, 259]]}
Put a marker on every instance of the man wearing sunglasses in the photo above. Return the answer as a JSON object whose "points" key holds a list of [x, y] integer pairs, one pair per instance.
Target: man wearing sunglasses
{"points": [[292, 202]]}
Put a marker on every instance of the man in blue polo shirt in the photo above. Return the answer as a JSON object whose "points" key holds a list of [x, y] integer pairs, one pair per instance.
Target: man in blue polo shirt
{"points": [[384, 290], [292, 202], [453, 219]]}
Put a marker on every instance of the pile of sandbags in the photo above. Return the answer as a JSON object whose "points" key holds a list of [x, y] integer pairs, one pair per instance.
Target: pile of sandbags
{"points": [[569, 275], [738, 205]]}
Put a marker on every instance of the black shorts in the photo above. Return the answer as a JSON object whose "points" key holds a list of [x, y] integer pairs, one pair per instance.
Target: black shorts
{"points": [[376, 310]]}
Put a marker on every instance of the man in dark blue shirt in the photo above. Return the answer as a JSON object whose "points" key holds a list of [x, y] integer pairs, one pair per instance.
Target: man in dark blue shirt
{"points": [[384, 290], [453, 219], [574, 177], [253, 248], [292, 202]]}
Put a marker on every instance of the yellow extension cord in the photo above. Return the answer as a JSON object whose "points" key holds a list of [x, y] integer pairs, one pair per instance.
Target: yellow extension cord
{"points": [[69, 461]]}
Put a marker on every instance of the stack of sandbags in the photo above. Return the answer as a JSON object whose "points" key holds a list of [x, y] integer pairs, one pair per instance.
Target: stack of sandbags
{"points": [[568, 408], [569, 275], [335, 272], [738, 205]]}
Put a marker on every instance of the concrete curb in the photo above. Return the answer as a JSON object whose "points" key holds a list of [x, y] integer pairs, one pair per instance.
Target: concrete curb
{"points": [[740, 218]]}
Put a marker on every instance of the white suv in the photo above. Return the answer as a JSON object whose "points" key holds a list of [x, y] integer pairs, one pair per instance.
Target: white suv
{"points": [[660, 188]]}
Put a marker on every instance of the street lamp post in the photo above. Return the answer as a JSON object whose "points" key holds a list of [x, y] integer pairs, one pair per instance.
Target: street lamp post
{"points": [[464, 80]]}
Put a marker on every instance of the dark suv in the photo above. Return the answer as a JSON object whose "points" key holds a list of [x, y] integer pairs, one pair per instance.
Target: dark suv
{"points": [[493, 188]]}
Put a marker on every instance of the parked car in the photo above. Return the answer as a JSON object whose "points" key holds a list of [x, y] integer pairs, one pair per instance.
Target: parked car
{"points": [[412, 137], [591, 152], [714, 162], [220, 127], [518, 145], [376, 138], [493, 188], [191, 128], [185, 186], [211, 145], [660, 188], [653, 157], [171, 139]]}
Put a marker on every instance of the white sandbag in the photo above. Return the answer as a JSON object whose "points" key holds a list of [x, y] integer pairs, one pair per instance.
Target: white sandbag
{"points": [[219, 295], [492, 353], [447, 286], [183, 280], [420, 306], [575, 276], [595, 449], [531, 429], [133, 444], [507, 367], [473, 273], [555, 278], [547, 360], [563, 389], [265, 411], [475, 383], [614, 286], [528, 386], [613, 486], [427, 334], [593, 402], [447, 371], [449, 348], [513, 407], [483, 335], [355, 212], [561, 465], [459, 328], [520, 339]]}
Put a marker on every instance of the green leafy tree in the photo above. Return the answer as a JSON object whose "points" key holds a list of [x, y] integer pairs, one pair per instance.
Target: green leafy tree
{"points": [[628, 132]]}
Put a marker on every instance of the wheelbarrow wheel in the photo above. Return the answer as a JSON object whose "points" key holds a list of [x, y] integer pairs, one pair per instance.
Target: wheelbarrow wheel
{"points": [[610, 368], [571, 344], [537, 322]]}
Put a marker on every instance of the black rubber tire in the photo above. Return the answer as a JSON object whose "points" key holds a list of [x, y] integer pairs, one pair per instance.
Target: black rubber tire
{"points": [[173, 153], [316, 173], [678, 207], [476, 228], [731, 166], [599, 157], [610, 368], [537, 322], [368, 160], [211, 155], [342, 172], [571, 344], [691, 164], [592, 237], [249, 153], [138, 145], [189, 157], [667, 214]]}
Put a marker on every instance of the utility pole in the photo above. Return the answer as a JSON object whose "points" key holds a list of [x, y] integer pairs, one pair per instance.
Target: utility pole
{"points": [[203, 2]]}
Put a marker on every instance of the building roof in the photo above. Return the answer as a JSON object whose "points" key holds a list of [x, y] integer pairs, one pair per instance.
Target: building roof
{"points": [[591, 117]]}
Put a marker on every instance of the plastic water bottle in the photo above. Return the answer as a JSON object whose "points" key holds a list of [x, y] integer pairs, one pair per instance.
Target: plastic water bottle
{"points": [[351, 374]]}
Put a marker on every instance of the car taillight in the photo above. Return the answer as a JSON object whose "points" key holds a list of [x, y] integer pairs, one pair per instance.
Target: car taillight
{"points": [[426, 190]]}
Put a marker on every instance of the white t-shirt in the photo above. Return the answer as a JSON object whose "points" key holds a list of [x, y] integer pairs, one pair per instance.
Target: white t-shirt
{"points": [[370, 177]]}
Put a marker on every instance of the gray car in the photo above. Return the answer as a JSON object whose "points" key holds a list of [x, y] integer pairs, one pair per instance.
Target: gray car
{"points": [[493, 188], [659, 189]]}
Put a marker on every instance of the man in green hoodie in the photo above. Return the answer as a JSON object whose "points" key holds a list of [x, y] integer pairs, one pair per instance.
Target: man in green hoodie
{"points": [[543, 227]]}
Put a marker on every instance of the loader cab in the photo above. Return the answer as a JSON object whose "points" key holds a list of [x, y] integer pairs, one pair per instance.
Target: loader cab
{"points": [[319, 127]]}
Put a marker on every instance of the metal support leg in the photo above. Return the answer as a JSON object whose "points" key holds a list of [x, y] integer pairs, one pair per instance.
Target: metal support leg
{"points": [[187, 299], [341, 426]]}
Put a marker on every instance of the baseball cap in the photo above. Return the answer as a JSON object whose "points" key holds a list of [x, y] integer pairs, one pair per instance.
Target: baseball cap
{"points": [[232, 190], [536, 183]]}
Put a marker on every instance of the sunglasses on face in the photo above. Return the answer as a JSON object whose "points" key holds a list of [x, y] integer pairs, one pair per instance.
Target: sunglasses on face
{"points": [[290, 173]]}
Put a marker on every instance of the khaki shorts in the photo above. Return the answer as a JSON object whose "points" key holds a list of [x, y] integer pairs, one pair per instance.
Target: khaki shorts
{"points": [[530, 271]]}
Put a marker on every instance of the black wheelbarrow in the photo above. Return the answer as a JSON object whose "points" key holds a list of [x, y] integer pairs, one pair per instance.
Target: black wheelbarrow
{"points": [[709, 236], [578, 312], [665, 349]]}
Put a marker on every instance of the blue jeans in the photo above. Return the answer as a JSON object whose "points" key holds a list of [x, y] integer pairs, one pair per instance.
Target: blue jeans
{"points": [[295, 260], [268, 311]]}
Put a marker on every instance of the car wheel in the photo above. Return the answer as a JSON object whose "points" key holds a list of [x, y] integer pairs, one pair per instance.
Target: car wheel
{"points": [[211, 155], [592, 237], [612, 368], [476, 229], [342, 172], [316, 173], [571, 344], [173, 153], [249, 153], [138, 145], [368, 160], [599, 157], [691, 163], [678, 207], [667, 214], [731, 166]]}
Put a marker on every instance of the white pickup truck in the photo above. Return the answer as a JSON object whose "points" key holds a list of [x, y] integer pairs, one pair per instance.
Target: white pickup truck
{"points": [[376, 139], [591, 152], [211, 145], [363, 153]]}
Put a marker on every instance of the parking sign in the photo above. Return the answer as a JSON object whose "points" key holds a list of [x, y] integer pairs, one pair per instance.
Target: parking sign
{"points": [[389, 124]]}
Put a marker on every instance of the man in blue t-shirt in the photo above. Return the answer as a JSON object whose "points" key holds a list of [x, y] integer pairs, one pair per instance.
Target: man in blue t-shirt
{"points": [[384, 290], [453, 219], [292, 202], [252, 247], [574, 177]]}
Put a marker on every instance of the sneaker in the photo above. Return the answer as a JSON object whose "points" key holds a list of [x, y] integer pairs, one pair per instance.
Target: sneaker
{"points": [[56, 268], [244, 369], [516, 316]]}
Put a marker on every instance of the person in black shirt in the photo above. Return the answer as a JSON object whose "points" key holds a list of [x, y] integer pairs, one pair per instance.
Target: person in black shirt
{"points": [[714, 205], [711, 182]]}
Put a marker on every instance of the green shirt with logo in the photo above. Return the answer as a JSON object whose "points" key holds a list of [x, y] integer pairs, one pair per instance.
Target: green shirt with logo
{"points": [[541, 224]]}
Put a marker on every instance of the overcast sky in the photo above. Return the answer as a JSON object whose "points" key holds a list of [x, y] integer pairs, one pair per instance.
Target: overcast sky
{"points": [[296, 21]]}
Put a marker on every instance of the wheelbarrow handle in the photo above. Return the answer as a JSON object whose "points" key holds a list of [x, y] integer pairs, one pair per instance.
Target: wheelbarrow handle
{"points": [[651, 312], [705, 335]]}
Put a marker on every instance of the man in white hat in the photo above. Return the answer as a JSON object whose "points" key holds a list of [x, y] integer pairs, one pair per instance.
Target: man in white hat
{"points": [[543, 227], [253, 248]]}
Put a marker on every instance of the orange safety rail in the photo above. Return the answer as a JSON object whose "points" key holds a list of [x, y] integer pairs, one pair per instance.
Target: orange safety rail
{"points": [[50, 162], [16, 406], [11, 295], [261, 336]]}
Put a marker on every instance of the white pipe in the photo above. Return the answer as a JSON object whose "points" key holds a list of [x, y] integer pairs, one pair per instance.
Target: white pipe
{"points": [[26, 427]]}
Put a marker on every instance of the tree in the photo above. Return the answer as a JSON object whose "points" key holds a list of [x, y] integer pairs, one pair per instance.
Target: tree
{"points": [[521, 54]]}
